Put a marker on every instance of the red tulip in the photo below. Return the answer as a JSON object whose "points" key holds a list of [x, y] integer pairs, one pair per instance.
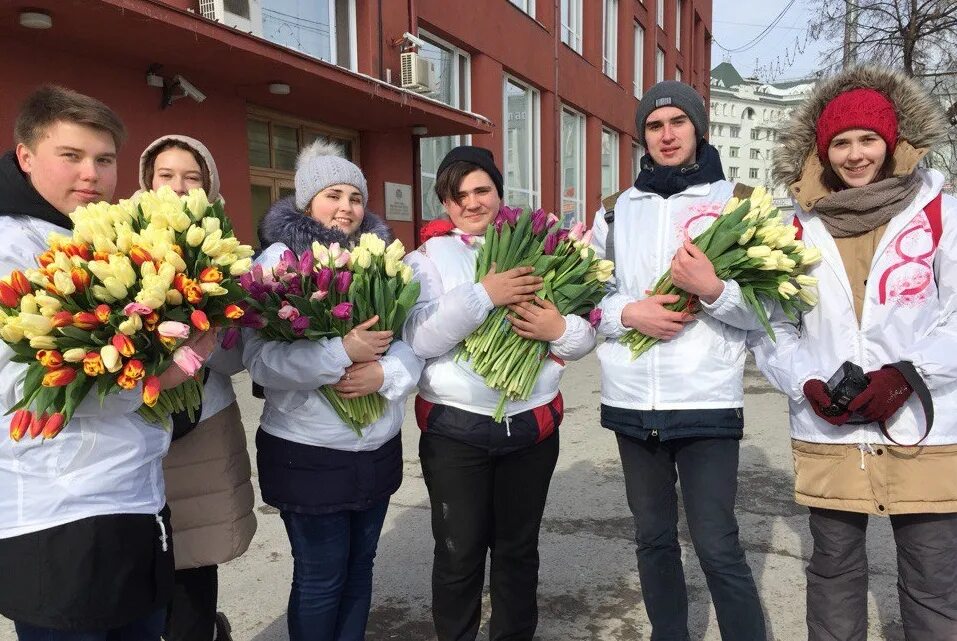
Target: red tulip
{"points": [[20, 423], [36, 424], [80, 278], [62, 319], [20, 283], [8, 295], [59, 377], [151, 390], [199, 320], [86, 320], [123, 344], [233, 312], [139, 255], [53, 425], [50, 358]]}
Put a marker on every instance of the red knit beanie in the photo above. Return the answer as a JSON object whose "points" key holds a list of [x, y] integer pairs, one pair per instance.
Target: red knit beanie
{"points": [[857, 109]]}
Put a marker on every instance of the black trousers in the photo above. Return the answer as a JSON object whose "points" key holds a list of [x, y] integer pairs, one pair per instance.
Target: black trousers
{"points": [[483, 502], [192, 612]]}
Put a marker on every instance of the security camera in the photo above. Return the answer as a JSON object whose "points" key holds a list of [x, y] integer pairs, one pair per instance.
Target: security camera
{"points": [[189, 89], [418, 42]]}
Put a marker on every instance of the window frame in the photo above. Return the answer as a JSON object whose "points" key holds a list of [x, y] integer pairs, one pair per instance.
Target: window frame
{"points": [[638, 79], [609, 26], [571, 25], [579, 201], [534, 166], [333, 36], [525, 6], [613, 137], [659, 64]]}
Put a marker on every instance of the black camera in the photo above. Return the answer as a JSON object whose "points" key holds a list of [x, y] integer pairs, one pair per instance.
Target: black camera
{"points": [[844, 386]]}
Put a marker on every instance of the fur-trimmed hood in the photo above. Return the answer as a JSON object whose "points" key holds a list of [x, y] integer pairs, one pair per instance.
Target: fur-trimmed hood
{"points": [[920, 118], [285, 223]]}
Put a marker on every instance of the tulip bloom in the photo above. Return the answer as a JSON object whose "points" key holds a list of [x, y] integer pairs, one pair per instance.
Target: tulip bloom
{"points": [[151, 390], [8, 295], [62, 319], [230, 338], [50, 358], [102, 313], [20, 283], [288, 312], [210, 275], [594, 316], [199, 320], [59, 377], [139, 255], [342, 311], [137, 308], [173, 329], [93, 364], [20, 423], [343, 280], [134, 369], [125, 381], [187, 360], [75, 355], [193, 294], [111, 358], [123, 344], [36, 424], [53, 425], [80, 278], [323, 279], [300, 325], [233, 312]]}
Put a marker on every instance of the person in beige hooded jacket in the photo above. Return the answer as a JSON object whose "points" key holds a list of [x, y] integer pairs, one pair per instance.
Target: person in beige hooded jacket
{"points": [[207, 470], [888, 304]]}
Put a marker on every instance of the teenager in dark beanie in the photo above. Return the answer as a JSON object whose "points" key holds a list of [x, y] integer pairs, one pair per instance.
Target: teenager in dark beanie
{"points": [[677, 410], [85, 539]]}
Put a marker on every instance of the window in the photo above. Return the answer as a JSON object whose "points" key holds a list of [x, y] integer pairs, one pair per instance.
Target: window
{"points": [[753, 173], [733, 172], [572, 24], [610, 37], [734, 152], [678, 74], [573, 167], [735, 132], [755, 134], [639, 81], [659, 65], [609, 162], [323, 29], [755, 154], [528, 6], [522, 146], [660, 17], [452, 79], [637, 151], [747, 114], [678, 6], [274, 142]]}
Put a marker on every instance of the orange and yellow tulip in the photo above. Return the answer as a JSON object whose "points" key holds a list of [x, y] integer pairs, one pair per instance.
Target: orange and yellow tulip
{"points": [[210, 275], [59, 377], [102, 312], [151, 390], [199, 320], [20, 423], [139, 255], [233, 312], [86, 320], [53, 425], [125, 381], [193, 293], [50, 358], [62, 319], [123, 344], [20, 282], [8, 295], [36, 424], [80, 278], [93, 364], [134, 369]]}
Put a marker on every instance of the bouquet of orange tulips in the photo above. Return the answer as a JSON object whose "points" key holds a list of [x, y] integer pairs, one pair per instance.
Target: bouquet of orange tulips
{"points": [[111, 306]]}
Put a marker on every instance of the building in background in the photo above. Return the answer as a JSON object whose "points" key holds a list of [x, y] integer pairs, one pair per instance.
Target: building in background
{"points": [[549, 87], [745, 117]]}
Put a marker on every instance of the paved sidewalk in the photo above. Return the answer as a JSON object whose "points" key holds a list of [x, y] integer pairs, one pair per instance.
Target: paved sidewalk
{"points": [[589, 585]]}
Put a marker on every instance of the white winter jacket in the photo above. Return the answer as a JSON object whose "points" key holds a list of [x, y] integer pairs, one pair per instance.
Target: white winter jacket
{"points": [[451, 306], [909, 314], [292, 373], [702, 367], [107, 460]]}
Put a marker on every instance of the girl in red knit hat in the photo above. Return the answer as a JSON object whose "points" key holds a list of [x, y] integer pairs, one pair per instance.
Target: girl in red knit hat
{"points": [[871, 365]]}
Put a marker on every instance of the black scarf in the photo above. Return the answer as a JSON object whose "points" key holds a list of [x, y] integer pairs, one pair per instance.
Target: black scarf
{"points": [[668, 181], [19, 198]]}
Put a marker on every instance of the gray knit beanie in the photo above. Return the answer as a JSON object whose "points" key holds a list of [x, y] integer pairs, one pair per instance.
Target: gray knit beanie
{"points": [[671, 93], [321, 165]]}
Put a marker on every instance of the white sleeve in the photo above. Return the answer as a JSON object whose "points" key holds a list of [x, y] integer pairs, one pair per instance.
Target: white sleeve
{"points": [[301, 365], [732, 309], [441, 319], [401, 369], [613, 303], [783, 361], [226, 361], [579, 339]]}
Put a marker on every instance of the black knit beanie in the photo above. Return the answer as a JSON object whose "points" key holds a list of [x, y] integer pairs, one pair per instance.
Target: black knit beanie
{"points": [[478, 156]]}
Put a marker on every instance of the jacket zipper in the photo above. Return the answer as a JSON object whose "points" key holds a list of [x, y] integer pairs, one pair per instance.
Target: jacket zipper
{"points": [[661, 250]]}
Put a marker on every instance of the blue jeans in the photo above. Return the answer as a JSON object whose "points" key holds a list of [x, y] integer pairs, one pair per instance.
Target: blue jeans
{"points": [[708, 469], [149, 628], [332, 572]]}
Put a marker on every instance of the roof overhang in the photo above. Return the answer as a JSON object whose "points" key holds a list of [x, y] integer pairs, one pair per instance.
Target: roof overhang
{"points": [[131, 33]]}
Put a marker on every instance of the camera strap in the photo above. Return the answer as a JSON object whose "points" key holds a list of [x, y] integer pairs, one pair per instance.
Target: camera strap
{"points": [[914, 379]]}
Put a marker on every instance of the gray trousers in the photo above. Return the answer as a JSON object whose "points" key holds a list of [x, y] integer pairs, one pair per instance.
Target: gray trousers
{"points": [[926, 576]]}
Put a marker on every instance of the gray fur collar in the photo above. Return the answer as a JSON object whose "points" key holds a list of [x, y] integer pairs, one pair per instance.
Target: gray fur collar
{"points": [[920, 118], [286, 224]]}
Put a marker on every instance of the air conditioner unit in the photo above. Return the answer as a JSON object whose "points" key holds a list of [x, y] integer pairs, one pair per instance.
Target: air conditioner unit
{"points": [[245, 15], [417, 73]]}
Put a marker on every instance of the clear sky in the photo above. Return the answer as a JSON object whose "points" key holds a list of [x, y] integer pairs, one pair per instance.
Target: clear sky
{"points": [[737, 22]]}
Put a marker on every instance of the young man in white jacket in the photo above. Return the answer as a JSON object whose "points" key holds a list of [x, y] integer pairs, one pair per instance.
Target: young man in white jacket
{"points": [[84, 535], [677, 409]]}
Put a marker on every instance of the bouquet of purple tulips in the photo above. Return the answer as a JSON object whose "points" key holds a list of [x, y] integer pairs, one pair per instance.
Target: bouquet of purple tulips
{"points": [[324, 293], [574, 280]]}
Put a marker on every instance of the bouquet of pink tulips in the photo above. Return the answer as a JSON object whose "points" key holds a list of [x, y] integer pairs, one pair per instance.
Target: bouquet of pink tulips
{"points": [[574, 280], [324, 293]]}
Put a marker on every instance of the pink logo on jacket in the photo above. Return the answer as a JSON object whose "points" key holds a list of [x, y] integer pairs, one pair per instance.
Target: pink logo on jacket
{"points": [[696, 219], [906, 279]]}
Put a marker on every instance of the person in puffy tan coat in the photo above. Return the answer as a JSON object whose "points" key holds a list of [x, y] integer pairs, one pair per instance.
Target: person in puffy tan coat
{"points": [[207, 470], [888, 303]]}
